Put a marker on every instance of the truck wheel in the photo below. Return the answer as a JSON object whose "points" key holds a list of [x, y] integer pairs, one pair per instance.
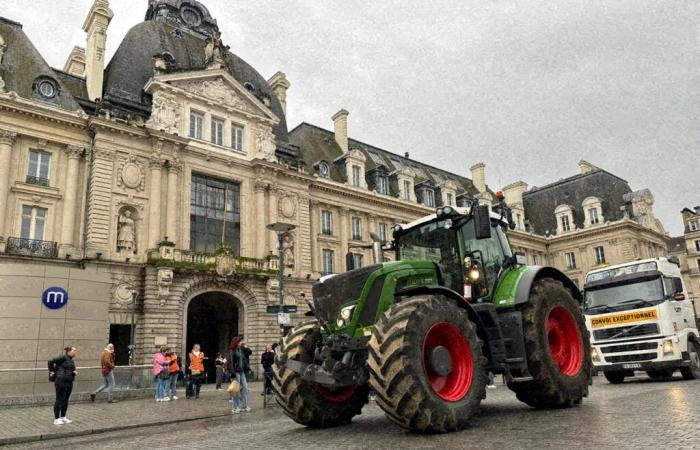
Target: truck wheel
{"points": [[557, 347], [692, 372], [427, 365], [306, 402], [615, 377]]}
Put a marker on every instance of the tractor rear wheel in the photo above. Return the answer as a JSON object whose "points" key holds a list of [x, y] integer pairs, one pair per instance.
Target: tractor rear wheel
{"points": [[306, 402], [557, 347], [427, 365]]}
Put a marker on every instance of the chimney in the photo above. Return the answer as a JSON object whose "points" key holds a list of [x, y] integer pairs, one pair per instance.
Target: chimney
{"points": [[75, 65], [479, 176], [280, 84], [340, 122], [514, 193], [697, 210], [95, 26], [585, 166]]}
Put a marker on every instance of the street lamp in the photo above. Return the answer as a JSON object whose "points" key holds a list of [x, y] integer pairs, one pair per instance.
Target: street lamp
{"points": [[134, 295], [282, 229]]}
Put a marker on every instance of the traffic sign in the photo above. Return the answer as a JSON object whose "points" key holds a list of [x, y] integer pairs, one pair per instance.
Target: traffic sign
{"points": [[55, 298], [282, 319], [275, 309]]}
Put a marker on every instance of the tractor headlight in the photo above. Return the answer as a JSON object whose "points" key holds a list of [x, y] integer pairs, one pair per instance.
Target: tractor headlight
{"points": [[448, 210], [474, 274], [340, 323], [595, 357], [440, 212], [345, 315], [668, 347]]}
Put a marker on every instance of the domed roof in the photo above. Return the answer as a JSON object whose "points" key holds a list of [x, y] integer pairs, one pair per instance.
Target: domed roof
{"points": [[180, 28]]}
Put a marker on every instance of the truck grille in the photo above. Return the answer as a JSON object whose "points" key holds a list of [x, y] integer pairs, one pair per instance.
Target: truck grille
{"points": [[639, 330], [629, 347], [630, 358]]}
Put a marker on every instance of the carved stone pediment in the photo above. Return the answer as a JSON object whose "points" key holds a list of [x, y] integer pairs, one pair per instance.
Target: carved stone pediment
{"points": [[216, 90]]}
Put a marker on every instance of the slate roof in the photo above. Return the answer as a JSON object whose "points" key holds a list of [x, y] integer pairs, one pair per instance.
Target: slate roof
{"points": [[318, 144], [677, 244], [22, 65], [540, 202]]}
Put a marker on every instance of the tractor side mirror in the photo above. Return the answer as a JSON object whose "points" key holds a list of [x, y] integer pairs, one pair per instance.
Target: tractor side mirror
{"points": [[482, 222]]}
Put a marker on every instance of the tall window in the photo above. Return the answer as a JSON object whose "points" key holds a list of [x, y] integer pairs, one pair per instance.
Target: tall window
{"points": [[326, 223], [694, 225], [383, 185], [328, 257], [697, 246], [217, 131], [356, 176], [698, 261], [565, 225], [33, 222], [356, 229], [215, 214], [570, 260], [535, 260], [383, 233], [38, 167], [429, 197], [407, 190], [599, 253], [593, 215], [196, 125], [450, 199], [237, 138], [357, 260]]}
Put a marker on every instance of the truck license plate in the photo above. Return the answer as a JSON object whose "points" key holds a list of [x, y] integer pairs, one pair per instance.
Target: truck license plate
{"points": [[632, 366]]}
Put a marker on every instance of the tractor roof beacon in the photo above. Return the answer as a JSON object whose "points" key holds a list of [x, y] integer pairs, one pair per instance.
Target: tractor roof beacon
{"points": [[425, 330]]}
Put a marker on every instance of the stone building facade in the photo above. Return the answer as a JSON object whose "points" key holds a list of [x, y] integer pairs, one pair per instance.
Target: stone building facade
{"points": [[687, 249], [132, 175]]}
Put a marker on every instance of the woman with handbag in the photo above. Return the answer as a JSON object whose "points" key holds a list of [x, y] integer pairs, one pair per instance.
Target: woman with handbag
{"points": [[62, 372], [220, 365], [239, 359], [197, 358], [160, 374]]}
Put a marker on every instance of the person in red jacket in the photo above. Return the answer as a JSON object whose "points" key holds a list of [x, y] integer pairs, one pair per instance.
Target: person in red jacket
{"points": [[107, 374]]}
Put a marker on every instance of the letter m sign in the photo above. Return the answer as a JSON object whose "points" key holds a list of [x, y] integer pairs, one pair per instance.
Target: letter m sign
{"points": [[55, 298]]}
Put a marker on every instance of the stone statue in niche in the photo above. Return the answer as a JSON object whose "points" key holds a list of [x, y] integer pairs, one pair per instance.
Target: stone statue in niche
{"points": [[214, 52], [126, 235], [288, 250]]}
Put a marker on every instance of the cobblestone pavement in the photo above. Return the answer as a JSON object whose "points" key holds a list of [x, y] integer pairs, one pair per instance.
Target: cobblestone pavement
{"points": [[637, 414]]}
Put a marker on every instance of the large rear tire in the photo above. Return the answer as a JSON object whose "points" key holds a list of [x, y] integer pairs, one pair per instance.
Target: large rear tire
{"points": [[309, 403], [427, 365], [692, 372], [557, 347]]}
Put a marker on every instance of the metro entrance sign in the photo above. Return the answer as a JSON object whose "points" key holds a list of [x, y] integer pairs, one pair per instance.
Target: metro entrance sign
{"points": [[54, 298]]}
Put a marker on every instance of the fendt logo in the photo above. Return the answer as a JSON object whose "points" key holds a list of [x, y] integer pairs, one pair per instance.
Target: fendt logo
{"points": [[55, 298]]}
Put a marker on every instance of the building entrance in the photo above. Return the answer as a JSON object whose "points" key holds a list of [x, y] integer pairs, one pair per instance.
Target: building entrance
{"points": [[212, 320]]}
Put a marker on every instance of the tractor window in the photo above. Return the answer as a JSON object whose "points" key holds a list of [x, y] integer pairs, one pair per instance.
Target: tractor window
{"points": [[494, 250]]}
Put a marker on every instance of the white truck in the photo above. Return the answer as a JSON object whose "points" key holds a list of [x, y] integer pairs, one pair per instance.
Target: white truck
{"points": [[641, 319]]}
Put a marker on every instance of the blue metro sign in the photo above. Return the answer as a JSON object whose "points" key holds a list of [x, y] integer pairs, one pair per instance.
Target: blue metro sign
{"points": [[54, 298]]}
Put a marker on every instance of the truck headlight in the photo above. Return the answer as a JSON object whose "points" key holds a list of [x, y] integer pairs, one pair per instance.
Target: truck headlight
{"points": [[668, 347], [595, 357]]}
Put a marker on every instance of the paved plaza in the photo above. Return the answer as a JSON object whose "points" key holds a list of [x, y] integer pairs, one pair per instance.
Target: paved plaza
{"points": [[637, 414]]}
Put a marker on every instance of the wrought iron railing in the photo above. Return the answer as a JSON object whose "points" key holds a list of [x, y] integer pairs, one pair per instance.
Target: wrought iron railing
{"points": [[31, 247], [37, 180]]}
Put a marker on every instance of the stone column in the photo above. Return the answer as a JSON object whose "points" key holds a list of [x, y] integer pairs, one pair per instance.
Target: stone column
{"points": [[272, 218], [7, 140], [171, 225], [314, 229], [343, 234], [99, 219], [70, 210], [154, 201], [260, 230]]}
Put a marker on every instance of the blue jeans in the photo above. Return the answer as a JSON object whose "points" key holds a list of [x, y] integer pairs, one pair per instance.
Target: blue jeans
{"points": [[172, 385], [241, 400], [108, 384], [160, 388]]}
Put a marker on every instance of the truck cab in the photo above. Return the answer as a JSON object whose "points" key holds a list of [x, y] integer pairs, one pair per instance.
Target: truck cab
{"points": [[640, 318]]}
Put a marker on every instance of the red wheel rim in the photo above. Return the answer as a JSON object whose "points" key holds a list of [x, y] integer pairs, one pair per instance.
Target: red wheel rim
{"points": [[455, 385], [564, 339], [336, 395]]}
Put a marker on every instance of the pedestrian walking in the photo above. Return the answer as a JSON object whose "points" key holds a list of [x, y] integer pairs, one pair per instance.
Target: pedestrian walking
{"points": [[160, 374], [220, 365], [62, 372], [107, 361], [267, 360], [197, 359], [173, 362], [239, 355]]}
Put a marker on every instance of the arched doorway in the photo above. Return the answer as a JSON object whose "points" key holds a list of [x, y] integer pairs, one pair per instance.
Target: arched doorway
{"points": [[212, 320]]}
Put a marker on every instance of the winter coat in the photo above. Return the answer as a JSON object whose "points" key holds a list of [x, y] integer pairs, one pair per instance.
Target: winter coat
{"points": [[267, 360], [240, 359], [64, 368], [107, 360], [158, 363]]}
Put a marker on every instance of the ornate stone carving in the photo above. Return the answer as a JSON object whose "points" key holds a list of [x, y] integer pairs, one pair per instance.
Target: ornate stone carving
{"points": [[165, 114], [123, 293], [7, 137], [217, 90], [288, 207], [288, 250], [265, 145], [74, 152], [214, 52], [165, 280], [3, 46], [126, 234]]}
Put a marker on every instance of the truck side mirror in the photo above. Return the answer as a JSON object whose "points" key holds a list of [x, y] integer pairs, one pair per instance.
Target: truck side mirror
{"points": [[678, 289], [482, 222]]}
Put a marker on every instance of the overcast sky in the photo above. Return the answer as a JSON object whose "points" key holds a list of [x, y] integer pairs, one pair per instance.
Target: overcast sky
{"points": [[528, 87]]}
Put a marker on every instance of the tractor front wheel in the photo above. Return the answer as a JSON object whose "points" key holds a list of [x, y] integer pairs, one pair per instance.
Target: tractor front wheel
{"points": [[306, 402], [427, 365], [557, 347]]}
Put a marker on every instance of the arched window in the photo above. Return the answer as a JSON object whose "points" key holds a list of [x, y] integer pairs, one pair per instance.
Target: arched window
{"points": [[592, 211], [565, 219]]}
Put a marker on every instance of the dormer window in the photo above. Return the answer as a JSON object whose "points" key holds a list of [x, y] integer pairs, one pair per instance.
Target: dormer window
{"points": [[593, 211], [429, 197], [593, 216], [450, 199], [324, 170], [407, 188], [565, 224], [565, 218], [356, 176], [694, 225], [383, 185], [46, 89]]}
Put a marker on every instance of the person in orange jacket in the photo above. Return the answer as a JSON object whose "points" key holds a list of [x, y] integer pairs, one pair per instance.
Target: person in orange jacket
{"points": [[197, 358], [173, 362]]}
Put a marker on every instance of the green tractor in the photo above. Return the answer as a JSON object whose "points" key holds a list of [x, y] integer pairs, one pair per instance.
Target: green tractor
{"points": [[425, 330]]}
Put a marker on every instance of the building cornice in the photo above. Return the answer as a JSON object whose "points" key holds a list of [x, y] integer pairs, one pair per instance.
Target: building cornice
{"points": [[12, 102]]}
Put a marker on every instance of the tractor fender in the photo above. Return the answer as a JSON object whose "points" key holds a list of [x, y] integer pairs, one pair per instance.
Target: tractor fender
{"points": [[522, 292], [447, 292]]}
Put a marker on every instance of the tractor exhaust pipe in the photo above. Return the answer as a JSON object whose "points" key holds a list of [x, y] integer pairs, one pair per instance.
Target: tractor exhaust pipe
{"points": [[377, 252]]}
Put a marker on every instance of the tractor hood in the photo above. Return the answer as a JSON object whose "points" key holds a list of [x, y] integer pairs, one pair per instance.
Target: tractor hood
{"points": [[334, 291]]}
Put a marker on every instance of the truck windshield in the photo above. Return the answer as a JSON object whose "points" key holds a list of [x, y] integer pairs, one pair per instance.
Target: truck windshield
{"points": [[624, 295]]}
